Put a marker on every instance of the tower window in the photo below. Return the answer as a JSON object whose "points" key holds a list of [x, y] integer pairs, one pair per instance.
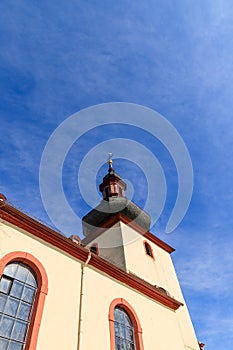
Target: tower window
{"points": [[108, 192], [18, 287], [94, 248], [148, 249]]}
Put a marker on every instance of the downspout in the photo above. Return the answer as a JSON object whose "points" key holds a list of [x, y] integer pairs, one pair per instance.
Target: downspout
{"points": [[83, 265]]}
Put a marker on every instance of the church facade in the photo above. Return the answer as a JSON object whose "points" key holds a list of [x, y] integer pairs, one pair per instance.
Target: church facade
{"points": [[116, 289]]}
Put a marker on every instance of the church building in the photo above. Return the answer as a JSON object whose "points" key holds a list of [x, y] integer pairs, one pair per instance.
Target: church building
{"points": [[116, 289]]}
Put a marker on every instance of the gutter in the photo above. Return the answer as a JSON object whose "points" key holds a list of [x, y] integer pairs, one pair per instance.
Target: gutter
{"points": [[80, 320]]}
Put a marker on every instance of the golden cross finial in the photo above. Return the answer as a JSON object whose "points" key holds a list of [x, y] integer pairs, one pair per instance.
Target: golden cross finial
{"points": [[110, 159]]}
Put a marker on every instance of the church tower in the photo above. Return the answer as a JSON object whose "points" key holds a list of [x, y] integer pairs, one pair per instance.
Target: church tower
{"points": [[119, 231], [116, 289]]}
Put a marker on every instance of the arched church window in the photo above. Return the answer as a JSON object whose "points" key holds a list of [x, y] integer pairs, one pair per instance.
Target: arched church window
{"points": [[18, 286], [23, 289], [124, 330]]}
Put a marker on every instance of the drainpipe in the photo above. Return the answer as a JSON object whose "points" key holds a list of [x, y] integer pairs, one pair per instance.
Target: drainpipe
{"points": [[83, 265]]}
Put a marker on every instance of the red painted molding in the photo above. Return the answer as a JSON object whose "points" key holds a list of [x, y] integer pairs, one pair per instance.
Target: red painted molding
{"points": [[21, 220], [42, 279], [148, 235], [121, 217], [134, 282], [134, 318]]}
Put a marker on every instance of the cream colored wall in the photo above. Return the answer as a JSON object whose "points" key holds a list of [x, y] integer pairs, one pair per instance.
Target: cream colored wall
{"points": [[159, 324], [124, 247], [59, 327], [163, 329], [110, 245], [159, 271], [137, 261]]}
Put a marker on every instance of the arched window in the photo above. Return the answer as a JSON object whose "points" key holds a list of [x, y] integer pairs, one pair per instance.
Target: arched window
{"points": [[148, 249], [125, 329], [18, 287], [23, 287]]}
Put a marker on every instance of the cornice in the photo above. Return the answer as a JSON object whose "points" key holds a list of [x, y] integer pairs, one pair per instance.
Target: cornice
{"points": [[123, 218], [37, 229]]}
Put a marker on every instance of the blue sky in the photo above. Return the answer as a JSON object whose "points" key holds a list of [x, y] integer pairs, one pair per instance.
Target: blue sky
{"points": [[57, 58]]}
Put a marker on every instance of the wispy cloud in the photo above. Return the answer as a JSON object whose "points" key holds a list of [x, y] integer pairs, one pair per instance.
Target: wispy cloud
{"points": [[207, 268], [175, 57]]}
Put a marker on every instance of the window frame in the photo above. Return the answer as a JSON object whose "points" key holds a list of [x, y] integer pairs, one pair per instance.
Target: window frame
{"points": [[95, 246], [146, 244], [10, 285], [123, 304], [42, 291]]}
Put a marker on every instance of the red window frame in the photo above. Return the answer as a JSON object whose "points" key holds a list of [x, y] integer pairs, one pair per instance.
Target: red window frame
{"points": [[122, 303], [42, 291], [145, 243]]}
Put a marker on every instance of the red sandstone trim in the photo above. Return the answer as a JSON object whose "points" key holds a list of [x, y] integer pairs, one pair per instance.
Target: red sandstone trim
{"points": [[134, 318], [121, 217], [21, 220], [134, 282], [148, 235], [42, 279]]}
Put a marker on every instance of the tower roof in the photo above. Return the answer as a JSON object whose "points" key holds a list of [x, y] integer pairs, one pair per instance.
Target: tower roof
{"points": [[114, 202], [112, 185]]}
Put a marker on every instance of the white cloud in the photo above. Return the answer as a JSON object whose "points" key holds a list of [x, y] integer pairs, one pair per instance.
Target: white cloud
{"points": [[207, 267]]}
